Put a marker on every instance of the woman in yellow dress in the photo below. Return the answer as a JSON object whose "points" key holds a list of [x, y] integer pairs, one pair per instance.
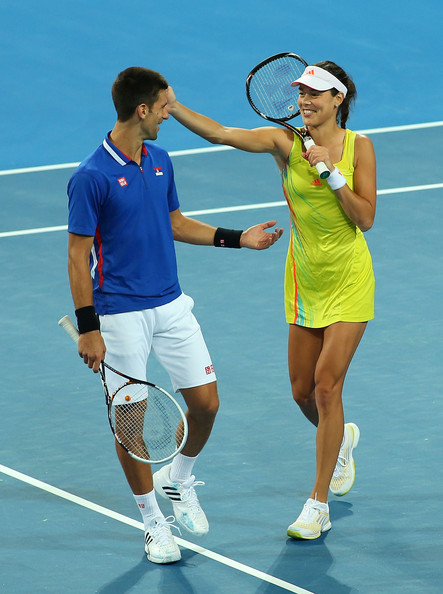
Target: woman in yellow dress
{"points": [[329, 281]]}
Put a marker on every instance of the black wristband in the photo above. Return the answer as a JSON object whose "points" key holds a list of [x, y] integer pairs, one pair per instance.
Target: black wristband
{"points": [[229, 238], [87, 319]]}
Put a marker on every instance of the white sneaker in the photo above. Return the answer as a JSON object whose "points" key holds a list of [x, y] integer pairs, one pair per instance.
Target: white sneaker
{"points": [[160, 545], [312, 521], [344, 473], [185, 503]]}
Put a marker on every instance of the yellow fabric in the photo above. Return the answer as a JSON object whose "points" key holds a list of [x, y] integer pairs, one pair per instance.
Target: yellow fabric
{"points": [[329, 276]]}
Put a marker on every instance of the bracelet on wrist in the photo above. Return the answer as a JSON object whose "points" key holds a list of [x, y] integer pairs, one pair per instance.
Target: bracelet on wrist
{"points": [[87, 319], [229, 238], [336, 179]]}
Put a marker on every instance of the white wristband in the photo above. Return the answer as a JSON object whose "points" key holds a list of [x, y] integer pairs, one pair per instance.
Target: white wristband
{"points": [[336, 179]]}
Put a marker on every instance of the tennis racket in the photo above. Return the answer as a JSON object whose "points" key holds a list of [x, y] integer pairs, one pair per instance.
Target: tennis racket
{"points": [[269, 92], [145, 420]]}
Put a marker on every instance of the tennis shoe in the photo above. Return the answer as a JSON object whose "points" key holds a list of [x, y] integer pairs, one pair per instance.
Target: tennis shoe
{"points": [[185, 503], [160, 546], [312, 521], [343, 476]]}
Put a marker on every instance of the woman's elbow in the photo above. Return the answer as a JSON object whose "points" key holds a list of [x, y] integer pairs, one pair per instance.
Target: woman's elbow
{"points": [[366, 223]]}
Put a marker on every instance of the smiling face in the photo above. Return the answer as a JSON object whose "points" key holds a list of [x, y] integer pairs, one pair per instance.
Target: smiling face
{"points": [[154, 116], [317, 107]]}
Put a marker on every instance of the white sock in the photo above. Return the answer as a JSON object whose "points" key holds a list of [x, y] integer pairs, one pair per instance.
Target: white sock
{"points": [[181, 467], [148, 506], [323, 507]]}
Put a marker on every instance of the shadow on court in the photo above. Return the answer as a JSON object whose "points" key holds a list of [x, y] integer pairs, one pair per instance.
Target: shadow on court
{"points": [[307, 564], [170, 579]]}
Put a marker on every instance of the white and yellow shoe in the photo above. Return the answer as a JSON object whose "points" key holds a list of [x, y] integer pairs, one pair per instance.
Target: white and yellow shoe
{"points": [[313, 520], [344, 473]]}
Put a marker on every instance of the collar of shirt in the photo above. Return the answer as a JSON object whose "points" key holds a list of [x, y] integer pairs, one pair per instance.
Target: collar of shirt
{"points": [[116, 153]]}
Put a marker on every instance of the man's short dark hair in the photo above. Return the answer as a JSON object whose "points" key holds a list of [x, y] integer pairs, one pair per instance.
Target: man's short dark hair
{"points": [[135, 86]]}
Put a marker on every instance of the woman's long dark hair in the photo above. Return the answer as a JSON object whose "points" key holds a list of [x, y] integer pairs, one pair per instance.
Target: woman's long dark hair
{"points": [[345, 107]]}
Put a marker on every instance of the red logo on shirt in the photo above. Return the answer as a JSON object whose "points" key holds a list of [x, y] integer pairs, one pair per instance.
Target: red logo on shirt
{"points": [[122, 181], [158, 171], [316, 182]]}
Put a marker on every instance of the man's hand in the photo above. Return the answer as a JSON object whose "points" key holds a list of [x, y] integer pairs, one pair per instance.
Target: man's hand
{"points": [[92, 349], [256, 238]]}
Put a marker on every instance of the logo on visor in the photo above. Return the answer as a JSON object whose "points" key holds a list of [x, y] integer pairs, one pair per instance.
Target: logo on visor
{"points": [[310, 72]]}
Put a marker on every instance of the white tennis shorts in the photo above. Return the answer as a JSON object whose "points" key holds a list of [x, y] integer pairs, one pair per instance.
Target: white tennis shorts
{"points": [[170, 331]]}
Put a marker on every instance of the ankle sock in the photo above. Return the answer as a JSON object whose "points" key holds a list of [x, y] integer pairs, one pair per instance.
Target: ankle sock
{"points": [[181, 467], [320, 505], [148, 506]]}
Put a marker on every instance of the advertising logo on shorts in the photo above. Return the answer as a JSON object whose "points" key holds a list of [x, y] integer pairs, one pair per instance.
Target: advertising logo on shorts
{"points": [[209, 369]]}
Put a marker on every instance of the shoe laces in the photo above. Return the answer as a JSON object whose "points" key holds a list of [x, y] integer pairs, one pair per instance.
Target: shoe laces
{"points": [[310, 511], [188, 494], [342, 459], [341, 463], [161, 532]]}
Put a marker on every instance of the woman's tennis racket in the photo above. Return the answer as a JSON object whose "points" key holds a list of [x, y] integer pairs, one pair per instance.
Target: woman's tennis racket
{"points": [[269, 92], [146, 421]]}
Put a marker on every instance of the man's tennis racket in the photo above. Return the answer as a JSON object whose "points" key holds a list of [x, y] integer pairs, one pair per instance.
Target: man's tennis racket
{"points": [[146, 421], [269, 91]]}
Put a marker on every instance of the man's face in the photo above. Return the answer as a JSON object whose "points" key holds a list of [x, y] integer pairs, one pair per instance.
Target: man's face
{"points": [[155, 116]]}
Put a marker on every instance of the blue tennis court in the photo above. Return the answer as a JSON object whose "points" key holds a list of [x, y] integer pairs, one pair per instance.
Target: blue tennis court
{"points": [[68, 520]]}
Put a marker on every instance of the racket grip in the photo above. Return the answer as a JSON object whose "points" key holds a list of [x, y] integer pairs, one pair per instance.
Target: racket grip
{"points": [[323, 171], [66, 324]]}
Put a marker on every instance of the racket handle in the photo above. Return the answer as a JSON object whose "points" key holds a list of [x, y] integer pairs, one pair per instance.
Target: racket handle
{"points": [[66, 324], [321, 167]]}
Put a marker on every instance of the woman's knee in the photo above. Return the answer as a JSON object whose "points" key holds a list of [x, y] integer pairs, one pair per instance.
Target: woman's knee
{"points": [[327, 395], [303, 395]]}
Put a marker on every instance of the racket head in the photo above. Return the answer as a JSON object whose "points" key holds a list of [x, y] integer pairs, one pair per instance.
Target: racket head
{"points": [[269, 90], [147, 422], [145, 419]]}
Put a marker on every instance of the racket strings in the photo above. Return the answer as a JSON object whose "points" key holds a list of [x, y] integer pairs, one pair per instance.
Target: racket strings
{"points": [[270, 87], [146, 421]]}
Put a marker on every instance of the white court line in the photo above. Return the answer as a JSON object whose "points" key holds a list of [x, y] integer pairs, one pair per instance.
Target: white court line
{"points": [[32, 231], [135, 524], [400, 128], [212, 149], [207, 211]]}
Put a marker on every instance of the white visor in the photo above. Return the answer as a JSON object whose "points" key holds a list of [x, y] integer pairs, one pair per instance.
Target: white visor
{"points": [[320, 80]]}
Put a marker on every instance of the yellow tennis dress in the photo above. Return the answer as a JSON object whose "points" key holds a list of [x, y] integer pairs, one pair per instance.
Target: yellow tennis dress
{"points": [[328, 276]]}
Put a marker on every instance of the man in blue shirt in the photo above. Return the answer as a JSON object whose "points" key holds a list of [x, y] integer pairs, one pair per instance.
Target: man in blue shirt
{"points": [[124, 216]]}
